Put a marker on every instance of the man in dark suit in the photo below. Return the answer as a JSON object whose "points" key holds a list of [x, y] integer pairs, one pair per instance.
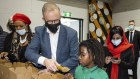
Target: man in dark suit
{"points": [[53, 43], [134, 37]]}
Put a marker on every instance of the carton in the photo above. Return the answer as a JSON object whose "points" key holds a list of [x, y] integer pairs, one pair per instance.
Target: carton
{"points": [[18, 70]]}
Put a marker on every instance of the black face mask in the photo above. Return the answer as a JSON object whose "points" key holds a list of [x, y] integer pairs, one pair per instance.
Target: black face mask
{"points": [[52, 27]]}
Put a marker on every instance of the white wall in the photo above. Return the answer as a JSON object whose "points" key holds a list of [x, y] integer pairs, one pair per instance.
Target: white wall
{"points": [[123, 18], [33, 8]]}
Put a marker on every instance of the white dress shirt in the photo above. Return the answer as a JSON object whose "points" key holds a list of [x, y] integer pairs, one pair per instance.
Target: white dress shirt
{"points": [[53, 42]]}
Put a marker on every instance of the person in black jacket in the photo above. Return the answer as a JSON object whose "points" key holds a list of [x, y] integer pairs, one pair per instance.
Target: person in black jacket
{"points": [[10, 42], [3, 35], [120, 56], [134, 37]]}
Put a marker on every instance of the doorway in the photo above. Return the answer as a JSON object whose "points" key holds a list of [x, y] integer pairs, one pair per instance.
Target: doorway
{"points": [[76, 24]]}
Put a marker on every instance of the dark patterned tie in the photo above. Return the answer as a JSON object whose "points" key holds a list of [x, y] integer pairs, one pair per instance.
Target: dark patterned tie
{"points": [[131, 37]]}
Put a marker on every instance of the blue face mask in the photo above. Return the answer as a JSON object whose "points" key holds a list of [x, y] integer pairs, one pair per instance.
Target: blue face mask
{"points": [[116, 42], [21, 32], [131, 27]]}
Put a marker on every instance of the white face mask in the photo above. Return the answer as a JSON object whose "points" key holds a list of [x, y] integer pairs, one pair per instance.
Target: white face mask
{"points": [[116, 42], [131, 27], [21, 32]]}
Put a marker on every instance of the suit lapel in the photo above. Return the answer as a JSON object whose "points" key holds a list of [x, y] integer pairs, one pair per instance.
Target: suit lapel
{"points": [[61, 40], [127, 35], [47, 44], [134, 36]]}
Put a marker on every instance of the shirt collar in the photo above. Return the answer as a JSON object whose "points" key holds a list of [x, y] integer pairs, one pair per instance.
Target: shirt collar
{"points": [[51, 32], [132, 31], [90, 69]]}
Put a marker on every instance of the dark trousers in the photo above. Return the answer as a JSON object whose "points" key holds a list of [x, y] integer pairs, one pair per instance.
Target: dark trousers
{"points": [[134, 69]]}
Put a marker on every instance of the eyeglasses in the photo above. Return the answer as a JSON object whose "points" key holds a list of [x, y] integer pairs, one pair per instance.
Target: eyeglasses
{"points": [[53, 21]]}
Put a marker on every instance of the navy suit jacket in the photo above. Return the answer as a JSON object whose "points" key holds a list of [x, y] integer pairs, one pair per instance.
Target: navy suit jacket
{"points": [[67, 48]]}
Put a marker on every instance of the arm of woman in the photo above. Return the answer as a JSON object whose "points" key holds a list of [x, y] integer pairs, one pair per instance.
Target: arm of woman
{"points": [[127, 59]]}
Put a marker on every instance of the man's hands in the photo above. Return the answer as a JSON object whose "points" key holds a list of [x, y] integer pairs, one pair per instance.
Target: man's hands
{"points": [[51, 64]]}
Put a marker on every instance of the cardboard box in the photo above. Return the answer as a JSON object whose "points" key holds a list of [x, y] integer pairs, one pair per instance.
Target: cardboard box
{"points": [[17, 71], [20, 70], [48, 75]]}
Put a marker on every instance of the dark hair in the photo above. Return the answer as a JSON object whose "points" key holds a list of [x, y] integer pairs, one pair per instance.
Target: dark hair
{"points": [[116, 30], [10, 26], [95, 48], [29, 33], [131, 21]]}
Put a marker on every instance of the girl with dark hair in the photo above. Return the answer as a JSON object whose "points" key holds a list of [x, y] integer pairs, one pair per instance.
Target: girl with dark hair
{"points": [[19, 39], [91, 61], [120, 55]]}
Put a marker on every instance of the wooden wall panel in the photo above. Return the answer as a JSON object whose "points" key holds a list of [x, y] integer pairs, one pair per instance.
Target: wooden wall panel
{"points": [[100, 19]]}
